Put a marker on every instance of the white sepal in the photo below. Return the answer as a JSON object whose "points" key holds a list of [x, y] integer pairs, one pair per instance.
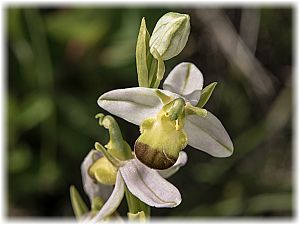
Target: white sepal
{"points": [[132, 104], [209, 135]]}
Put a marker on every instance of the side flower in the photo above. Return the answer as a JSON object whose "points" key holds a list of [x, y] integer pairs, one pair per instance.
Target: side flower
{"points": [[103, 168], [170, 118]]}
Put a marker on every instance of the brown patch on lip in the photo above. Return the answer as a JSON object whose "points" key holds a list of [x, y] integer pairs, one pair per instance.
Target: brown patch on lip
{"points": [[152, 157]]}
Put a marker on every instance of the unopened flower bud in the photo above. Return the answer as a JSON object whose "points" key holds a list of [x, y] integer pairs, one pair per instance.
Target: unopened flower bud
{"points": [[170, 35]]}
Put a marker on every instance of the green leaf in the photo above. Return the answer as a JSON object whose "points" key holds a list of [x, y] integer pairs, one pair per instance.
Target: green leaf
{"points": [[78, 205], [15, 23], [41, 106], [83, 26], [274, 202], [142, 47], [20, 158], [206, 93]]}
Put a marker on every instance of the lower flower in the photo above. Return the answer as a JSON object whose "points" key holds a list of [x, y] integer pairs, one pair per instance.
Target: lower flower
{"points": [[146, 184]]}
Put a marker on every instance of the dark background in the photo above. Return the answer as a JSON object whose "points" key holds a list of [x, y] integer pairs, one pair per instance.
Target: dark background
{"points": [[60, 60]]}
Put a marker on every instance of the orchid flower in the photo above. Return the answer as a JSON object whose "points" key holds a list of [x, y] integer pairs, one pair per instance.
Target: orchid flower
{"points": [[170, 118], [101, 170]]}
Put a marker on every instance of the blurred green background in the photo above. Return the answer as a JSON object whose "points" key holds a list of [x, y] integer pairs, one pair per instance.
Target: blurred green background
{"points": [[61, 59]]}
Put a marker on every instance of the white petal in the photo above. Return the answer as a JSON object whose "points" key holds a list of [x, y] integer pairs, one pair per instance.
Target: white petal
{"points": [[132, 104], [91, 188], [147, 185], [185, 80], [209, 135], [113, 202], [181, 161]]}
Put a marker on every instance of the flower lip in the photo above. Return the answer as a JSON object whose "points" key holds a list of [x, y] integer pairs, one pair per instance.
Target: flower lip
{"points": [[162, 137]]}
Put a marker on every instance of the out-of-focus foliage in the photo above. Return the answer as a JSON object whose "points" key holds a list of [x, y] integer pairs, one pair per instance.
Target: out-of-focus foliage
{"points": [[61, 59]]}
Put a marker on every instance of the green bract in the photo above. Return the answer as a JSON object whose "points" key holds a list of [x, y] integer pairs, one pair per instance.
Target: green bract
{"points": [[142, 53], [206, 93], [77, 202]]}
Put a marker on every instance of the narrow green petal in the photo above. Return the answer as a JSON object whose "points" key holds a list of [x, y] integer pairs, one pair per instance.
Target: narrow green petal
{"points": [[113, 160], [78, 205], [192, 110], [206, 93], [163, 97]]}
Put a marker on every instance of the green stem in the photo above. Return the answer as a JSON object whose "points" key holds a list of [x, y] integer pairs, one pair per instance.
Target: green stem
{"points": [[135, 205], [152, 72], [156, 83]]}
